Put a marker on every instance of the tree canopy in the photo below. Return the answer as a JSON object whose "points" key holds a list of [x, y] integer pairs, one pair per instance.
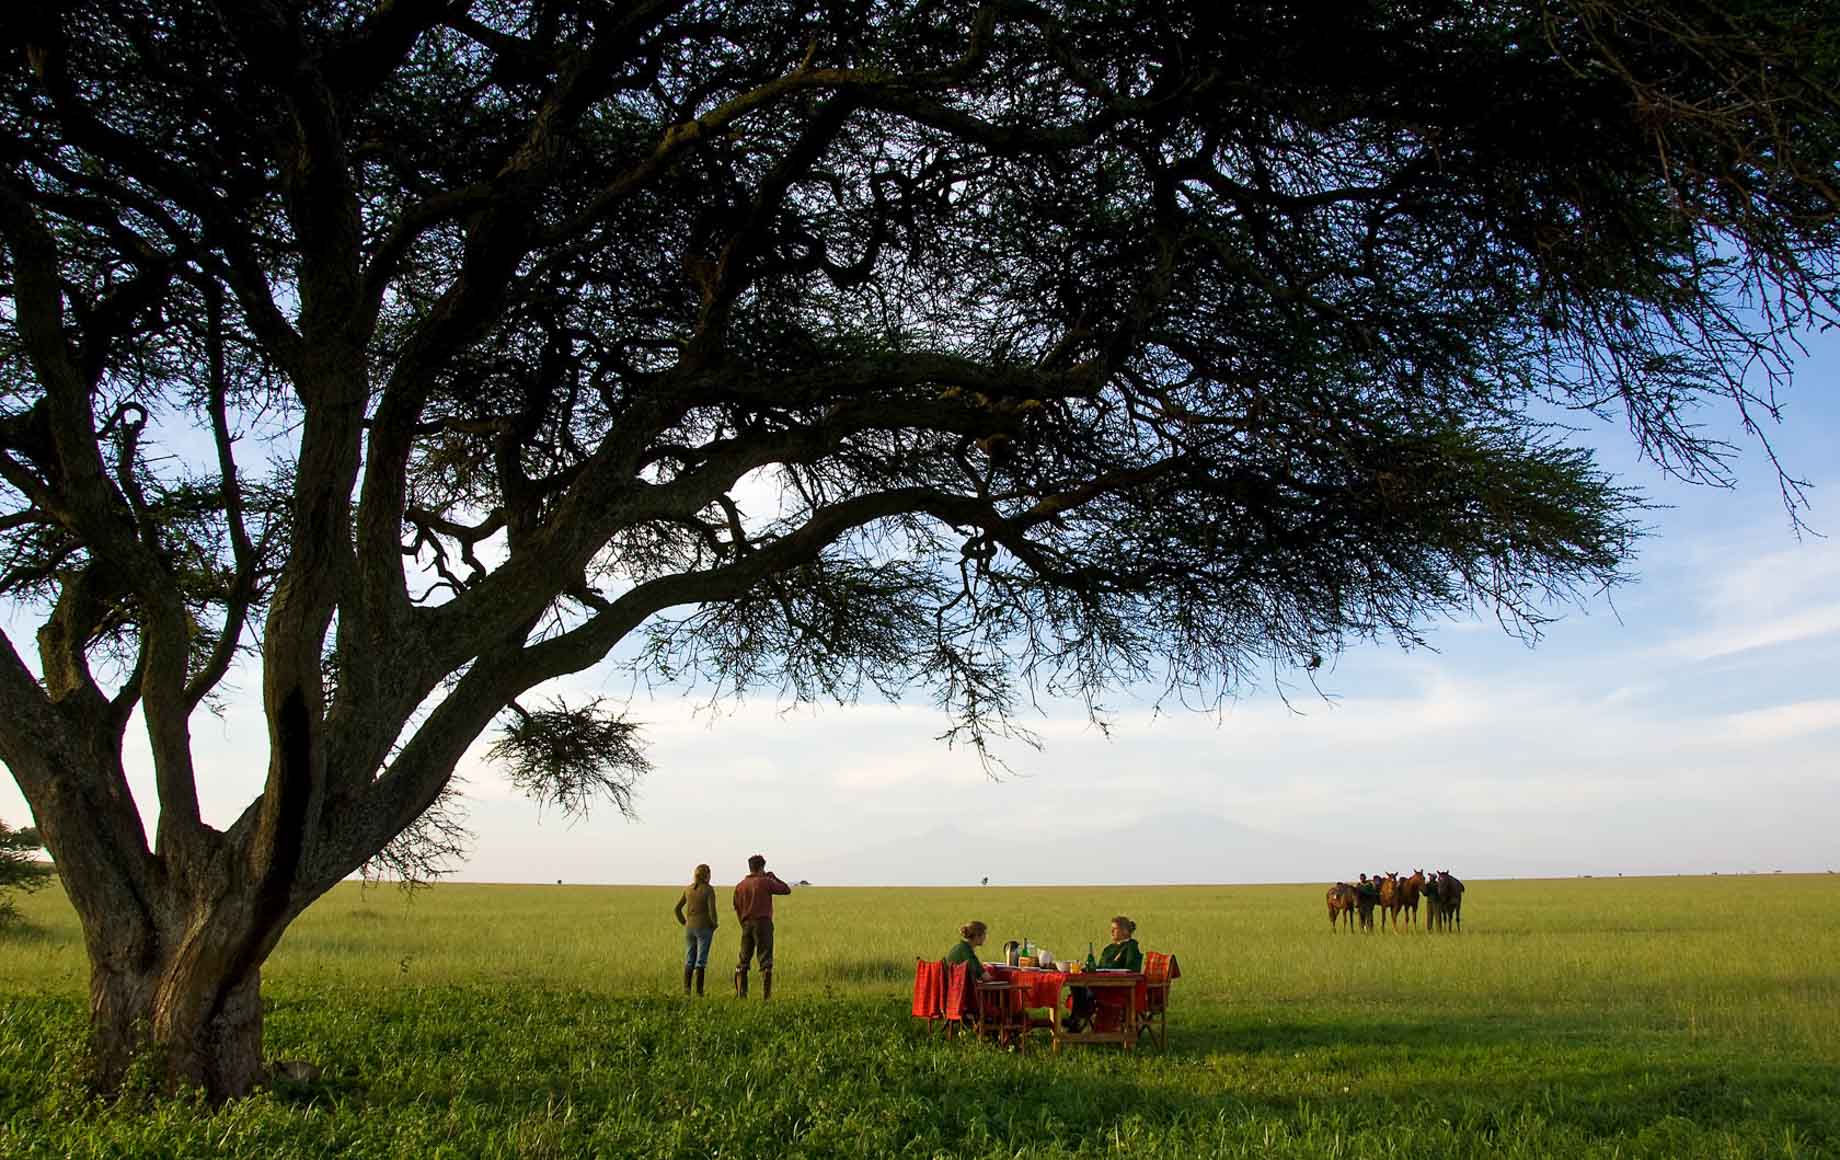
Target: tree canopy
{"points": [[429, 350]]}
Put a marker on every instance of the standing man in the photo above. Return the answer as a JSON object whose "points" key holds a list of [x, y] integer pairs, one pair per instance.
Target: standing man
{"points": [[754, 908]]}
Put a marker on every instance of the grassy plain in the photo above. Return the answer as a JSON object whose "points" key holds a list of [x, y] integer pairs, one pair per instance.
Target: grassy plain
{"points": [[1604, 1017]]}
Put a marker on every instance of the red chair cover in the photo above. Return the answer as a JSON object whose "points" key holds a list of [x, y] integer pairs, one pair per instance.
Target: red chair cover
{"points": [[929, 988], [957, 1002]]}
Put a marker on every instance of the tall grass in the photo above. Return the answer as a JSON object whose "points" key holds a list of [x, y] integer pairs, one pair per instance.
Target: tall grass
{"points": [[1636, 1017]]}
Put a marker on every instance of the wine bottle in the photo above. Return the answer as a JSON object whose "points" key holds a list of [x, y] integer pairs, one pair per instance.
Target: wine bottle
{"points": [[1091, 963]]}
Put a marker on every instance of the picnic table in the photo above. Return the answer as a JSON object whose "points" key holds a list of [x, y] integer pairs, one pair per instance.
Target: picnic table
{"points": [[1004, 1005], [1118, 995]]}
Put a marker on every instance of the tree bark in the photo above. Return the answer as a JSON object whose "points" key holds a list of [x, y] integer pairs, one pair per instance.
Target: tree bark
{"points": [[189, 1015]]}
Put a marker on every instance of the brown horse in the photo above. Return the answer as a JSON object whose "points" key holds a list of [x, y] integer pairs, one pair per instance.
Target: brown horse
{"points": [[1389, 900], [1409, 890], [1341, 900]]}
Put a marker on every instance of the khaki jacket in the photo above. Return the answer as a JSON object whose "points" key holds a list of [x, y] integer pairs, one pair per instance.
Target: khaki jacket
{"points": [[697, 908]]}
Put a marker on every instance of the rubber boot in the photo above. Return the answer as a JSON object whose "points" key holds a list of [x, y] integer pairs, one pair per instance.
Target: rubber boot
{"points": [[688, 971], [740, 984], [699, 981], [766, 985]]}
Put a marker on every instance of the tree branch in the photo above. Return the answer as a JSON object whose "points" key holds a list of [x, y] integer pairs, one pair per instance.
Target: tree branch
{"points": [[224, 226]]}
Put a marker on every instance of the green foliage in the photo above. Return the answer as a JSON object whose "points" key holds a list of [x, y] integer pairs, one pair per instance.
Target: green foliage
{"points": [[20, 868], [971, 351], [1652, 1018], [572, 756]]}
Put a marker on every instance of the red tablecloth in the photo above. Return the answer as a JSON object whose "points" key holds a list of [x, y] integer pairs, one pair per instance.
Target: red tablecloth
{"points": [[1043, 988]]}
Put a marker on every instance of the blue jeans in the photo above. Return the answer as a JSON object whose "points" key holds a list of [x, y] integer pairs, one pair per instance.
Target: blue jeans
{"points": [[696, 946]]}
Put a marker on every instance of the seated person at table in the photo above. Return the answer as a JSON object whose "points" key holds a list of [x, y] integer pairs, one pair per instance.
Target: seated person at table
{"points": [[1121, 954], [971, 936]]}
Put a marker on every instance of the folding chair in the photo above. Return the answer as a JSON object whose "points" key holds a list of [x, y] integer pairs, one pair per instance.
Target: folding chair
{"points": [[1160, 970], [999, 1013]]}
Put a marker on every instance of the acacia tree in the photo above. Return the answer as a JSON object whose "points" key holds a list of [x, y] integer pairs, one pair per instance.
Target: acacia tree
{"points": [[428, 350], [19, 869]]}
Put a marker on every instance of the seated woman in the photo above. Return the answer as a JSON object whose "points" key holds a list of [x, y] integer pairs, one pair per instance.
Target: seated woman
{"points": [[1121, 954], [971, 936]]}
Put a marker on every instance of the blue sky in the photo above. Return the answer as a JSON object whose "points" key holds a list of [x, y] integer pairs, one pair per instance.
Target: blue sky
{"points": [[1687, 726]]}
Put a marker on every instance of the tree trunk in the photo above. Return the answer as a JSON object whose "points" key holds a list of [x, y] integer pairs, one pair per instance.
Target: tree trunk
{"points": [[190, 1018]]}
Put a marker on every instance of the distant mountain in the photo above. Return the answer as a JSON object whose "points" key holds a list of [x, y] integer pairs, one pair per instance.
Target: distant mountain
{"points": [[1162, 849]]}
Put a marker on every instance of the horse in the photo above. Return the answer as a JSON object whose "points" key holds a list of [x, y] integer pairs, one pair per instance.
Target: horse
{"points": [[1390, 900], [1444, 902], [1341, 900], [1409, 890], [1450, 900]]}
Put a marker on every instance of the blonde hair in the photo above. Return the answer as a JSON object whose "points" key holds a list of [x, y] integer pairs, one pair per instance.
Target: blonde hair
{"points": [[971, 930], [700, 876], [1129, 926]]}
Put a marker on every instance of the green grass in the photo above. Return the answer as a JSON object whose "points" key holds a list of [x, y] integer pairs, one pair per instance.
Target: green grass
{"points": [[1606, 1017]]}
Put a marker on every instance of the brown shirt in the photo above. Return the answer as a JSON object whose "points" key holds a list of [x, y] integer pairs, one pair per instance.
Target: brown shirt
{"points": [[697, 908], [754, 895]]}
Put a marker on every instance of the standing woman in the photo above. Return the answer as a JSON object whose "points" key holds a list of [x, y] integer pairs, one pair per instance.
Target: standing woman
{"points": [[696, 913]]}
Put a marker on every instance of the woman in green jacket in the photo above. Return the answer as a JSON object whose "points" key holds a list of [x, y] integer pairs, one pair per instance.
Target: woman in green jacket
{"points": [[970, 937], [1121, 954]]}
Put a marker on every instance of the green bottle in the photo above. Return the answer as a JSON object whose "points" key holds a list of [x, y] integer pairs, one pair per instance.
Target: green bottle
{"points": [[1091, 963]]}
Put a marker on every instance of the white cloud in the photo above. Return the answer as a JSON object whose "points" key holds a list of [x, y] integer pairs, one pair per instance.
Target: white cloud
{"points": [[1776, 580], [1763, 600], [1783, 722], [1726, 640]]}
